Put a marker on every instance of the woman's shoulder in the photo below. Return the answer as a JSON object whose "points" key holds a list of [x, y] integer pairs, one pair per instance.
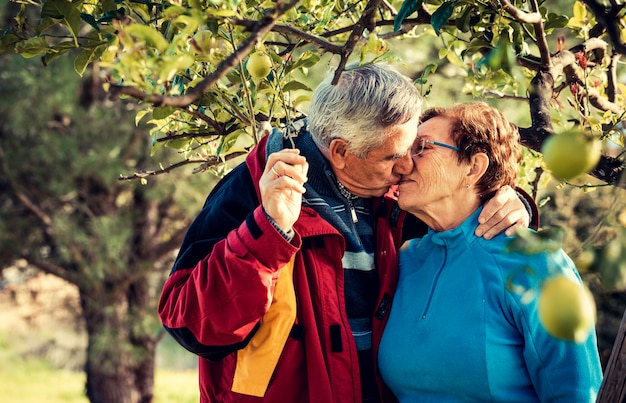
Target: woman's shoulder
{"points": [[511, 257]]}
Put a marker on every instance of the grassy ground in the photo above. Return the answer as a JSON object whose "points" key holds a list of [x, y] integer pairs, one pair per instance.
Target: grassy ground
{"points": [[34, 381], [38, 337]]}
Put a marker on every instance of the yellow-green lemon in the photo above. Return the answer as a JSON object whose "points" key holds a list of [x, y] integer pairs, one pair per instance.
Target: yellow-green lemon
{"points": [[566, 309], [259, 65], [570, 154]]}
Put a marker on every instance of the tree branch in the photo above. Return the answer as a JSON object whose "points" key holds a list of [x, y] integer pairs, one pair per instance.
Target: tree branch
{"points": [[48, 266], [261, 29], [541, 41], [197, 114], [539, 97], [535, 19], [611, 85], [597, 46], [609, 169], [519, 15], [41, 215], [205, 164], [606, 16], [565, 62], [163, 249], [367, 21], [291, 31]]}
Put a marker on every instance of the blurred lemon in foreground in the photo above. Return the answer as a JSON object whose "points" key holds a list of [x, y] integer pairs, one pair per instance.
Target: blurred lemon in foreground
{"points": [[570, 154], [259, 65], [566, 309]]}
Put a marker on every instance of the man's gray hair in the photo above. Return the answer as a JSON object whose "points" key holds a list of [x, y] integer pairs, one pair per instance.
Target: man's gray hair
{"points": [[364, 103]]}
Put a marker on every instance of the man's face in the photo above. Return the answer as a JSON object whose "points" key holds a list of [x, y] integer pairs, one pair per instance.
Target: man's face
{"points": [[371, 176]]}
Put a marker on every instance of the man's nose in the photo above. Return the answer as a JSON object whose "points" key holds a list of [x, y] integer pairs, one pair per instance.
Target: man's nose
{"points": [[404, 165]]}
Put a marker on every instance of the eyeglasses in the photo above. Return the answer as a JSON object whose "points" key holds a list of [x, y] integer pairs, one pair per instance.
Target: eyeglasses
{"points": [[420, 146]]}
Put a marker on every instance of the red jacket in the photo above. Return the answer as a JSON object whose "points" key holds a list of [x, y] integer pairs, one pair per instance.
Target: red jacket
{"points": [[267, 317]]}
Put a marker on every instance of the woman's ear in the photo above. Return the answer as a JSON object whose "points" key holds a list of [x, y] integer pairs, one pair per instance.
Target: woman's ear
{"points": [[338, 153], [478, 166]]}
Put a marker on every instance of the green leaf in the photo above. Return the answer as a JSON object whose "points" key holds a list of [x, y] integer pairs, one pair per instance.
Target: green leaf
{"points": [[463, 23], [67, 12], [306, 60], [156, 145], [228, 142], [302, 99], [149, 35], [295, 85], [162, 112], [442, 15], [179, 143], [187, 25], [45, 23], [233, 77], [57, 50], [476, 45], [172, 12], [8, 42], [89, 19], [31, 47], [407, 8], [87, 56], [423, 78], [140, 116], [580, 11], [108, 5], [555, 21], [173, 65], [221, 12]]}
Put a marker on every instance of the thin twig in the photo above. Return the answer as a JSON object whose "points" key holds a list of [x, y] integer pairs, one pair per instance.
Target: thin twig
{"points": [[209, 162]]}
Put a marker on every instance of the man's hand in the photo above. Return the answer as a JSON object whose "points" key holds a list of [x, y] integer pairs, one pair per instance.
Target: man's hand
{"points": [[282, 186], [505, 211]]}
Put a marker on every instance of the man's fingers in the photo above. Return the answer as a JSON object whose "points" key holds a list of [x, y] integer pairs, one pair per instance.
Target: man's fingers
{"points": [[508, 225], [289, 163], [496, 204], [520, 224], [504, 212]]}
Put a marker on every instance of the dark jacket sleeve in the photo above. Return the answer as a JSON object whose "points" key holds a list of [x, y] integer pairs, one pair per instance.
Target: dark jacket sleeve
{"points": [[531, 207]]}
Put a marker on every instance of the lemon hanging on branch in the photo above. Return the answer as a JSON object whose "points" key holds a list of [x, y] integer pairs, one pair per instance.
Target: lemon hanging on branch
{"points": [[570, 154], [566, 309], [259, 64]]}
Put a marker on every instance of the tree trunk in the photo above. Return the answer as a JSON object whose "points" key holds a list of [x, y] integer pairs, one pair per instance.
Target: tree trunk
{"points": [[120, 362], [613, 389]]}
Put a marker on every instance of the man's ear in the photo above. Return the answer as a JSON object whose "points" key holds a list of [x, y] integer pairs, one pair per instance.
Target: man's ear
{"points": [[338, 153], [478, 166]]}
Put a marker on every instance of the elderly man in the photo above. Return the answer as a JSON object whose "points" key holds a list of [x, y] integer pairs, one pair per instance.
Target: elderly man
{"points": [[287, 273]]}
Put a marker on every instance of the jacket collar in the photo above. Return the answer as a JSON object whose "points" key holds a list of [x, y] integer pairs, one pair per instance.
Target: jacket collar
{"points": [[465, 230]]}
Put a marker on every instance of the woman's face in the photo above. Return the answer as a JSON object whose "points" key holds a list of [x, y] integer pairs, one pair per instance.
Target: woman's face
{"points": [[437, 181]]}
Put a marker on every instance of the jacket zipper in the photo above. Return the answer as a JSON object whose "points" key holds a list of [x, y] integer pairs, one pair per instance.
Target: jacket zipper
{"points": [[355, 219], [435, 282]]}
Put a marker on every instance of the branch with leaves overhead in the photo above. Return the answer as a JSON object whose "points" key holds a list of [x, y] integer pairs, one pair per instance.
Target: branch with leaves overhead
{"points": [[565, 63], [188, 63]]}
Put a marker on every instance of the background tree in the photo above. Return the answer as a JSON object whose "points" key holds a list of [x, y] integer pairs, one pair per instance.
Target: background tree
{"points": [[187, 63], [63, 211]]}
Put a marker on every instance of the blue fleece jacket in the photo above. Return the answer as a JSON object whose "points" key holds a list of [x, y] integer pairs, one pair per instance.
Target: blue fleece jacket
{"points": [[464, 326]]}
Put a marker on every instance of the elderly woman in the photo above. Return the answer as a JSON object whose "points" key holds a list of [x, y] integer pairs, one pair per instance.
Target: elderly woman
{"points": [[456, 331]]}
